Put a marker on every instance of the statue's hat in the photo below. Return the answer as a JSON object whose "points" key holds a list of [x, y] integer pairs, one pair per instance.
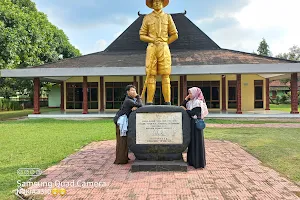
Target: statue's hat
{"points": [[149, 3]]}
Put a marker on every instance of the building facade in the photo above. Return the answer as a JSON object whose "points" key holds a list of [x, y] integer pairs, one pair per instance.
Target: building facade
{"points": [[230, 80]]}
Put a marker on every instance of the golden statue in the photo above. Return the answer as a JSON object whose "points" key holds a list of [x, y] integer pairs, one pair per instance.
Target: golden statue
{"points": [[159, 30]]}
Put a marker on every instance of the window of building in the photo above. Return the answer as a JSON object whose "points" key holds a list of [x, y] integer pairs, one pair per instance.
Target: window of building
{"points": [[93, 95], [232, 98], [158, 96], [258, 94], [115, 94], [75, 95], [211, 91]]}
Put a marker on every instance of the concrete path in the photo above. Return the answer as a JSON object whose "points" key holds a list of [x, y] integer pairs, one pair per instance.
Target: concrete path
{"points": [[231, 173]]}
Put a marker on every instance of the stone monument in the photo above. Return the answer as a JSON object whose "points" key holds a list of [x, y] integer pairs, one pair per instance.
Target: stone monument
{"points": [[158, 134]]}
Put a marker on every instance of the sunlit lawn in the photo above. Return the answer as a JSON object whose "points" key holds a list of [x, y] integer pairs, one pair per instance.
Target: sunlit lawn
{"points": [[4, 115], [40, 143], [282, 107], [248, 121]]}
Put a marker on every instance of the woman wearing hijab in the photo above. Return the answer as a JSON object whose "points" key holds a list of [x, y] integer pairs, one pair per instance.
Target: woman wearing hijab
{"points": [[196, 107]]}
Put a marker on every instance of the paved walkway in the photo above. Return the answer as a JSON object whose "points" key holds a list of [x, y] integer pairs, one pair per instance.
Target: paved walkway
{"points": [[231, 173]]}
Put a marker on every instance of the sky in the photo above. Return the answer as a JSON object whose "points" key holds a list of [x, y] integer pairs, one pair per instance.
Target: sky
{"points": [[92, 25]]}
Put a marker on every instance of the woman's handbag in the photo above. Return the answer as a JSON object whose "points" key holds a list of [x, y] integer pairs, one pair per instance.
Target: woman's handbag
{"points": [[200, 124]]}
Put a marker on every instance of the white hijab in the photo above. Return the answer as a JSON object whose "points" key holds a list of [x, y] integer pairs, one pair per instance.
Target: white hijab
{"points": [[197, 101]]}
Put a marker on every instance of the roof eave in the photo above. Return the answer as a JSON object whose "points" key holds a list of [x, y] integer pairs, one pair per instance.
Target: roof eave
{"points": [[277, 69]]}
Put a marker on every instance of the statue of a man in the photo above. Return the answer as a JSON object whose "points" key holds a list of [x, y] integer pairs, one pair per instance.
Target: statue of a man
{"points": [[159, 30]]}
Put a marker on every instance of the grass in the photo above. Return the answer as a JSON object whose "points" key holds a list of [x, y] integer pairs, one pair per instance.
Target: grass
{"points": [[282, 107], [4, 115], [41, 143], [248, 121]]}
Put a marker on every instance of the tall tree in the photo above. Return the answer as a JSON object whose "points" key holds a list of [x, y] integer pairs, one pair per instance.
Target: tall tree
{"points": [[293, 54], [27, 38], [264, 49]]}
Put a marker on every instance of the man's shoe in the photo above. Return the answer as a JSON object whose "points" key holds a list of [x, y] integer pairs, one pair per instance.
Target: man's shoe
{"points": [[168, 103], [149, 104]]}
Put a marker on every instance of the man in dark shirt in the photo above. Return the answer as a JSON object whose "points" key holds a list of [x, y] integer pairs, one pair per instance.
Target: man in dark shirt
{"points": [[132, 102]]}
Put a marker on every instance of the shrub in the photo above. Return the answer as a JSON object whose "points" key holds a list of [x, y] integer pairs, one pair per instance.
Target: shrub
{"points": [[289, 94], [6, 104], [277, 100], [1, 104], [284, 98]]}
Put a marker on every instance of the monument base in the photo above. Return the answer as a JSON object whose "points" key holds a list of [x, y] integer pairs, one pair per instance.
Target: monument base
{"points": [[158, 133], [145, 165]]}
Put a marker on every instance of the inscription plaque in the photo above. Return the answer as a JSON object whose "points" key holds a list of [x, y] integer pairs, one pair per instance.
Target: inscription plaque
{"points": [[159, 128]]}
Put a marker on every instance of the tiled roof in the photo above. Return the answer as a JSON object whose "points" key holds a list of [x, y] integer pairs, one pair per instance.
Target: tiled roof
{"points": [[190, 37], [277, 83], [193, 47], [195, 57]]}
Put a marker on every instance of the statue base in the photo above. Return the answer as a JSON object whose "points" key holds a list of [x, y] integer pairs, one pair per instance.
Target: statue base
{"points": [[158, 135], [144, 165]]}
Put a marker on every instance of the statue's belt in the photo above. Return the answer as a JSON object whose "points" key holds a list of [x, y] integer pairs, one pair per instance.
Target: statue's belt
{"points": [[158, 43]]}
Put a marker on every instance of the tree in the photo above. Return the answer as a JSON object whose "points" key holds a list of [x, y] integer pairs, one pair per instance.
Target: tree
{"points": [[263, 48], [293, 54], [27, 38]]}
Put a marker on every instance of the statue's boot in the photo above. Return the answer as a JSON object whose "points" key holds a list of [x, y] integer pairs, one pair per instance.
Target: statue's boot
{"points": [[166, 89], [151, 86]]}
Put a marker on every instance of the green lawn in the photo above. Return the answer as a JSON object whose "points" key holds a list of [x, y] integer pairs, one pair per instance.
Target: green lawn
{"points": [[4, 115], [248, 121], [40, 143], [281, 107]]}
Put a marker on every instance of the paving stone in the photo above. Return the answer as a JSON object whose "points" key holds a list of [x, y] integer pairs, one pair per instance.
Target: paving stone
{"points": [[231, 173]]}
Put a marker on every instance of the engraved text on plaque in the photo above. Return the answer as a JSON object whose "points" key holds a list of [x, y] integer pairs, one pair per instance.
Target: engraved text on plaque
{"points": [[159, 128]]}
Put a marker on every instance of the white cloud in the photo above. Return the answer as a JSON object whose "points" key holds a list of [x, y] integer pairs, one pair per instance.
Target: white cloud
{"points": [[273, 14], [275, 20], [101, 45]]}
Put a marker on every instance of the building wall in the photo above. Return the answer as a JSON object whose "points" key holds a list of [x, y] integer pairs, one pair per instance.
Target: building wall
{"points": [[116, 79], [247, 90], [54, 97], [80, 79], [247, 86], [208, 78], [130, 79]]}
